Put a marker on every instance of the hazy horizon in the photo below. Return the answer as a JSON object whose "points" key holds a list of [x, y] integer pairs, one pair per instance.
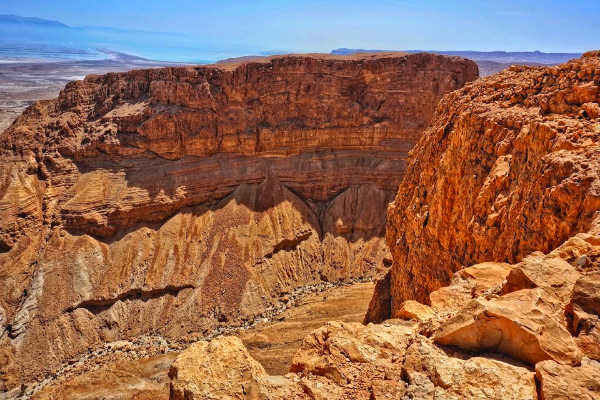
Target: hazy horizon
{"points": [[236, 28]]}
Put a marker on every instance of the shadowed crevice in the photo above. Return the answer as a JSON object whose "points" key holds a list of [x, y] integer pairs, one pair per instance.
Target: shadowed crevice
{"points": [[100, 305]]}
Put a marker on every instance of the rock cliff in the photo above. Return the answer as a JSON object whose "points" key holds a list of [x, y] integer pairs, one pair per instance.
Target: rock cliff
{"points": [[508, 176], [178, 201], [510, 165]]}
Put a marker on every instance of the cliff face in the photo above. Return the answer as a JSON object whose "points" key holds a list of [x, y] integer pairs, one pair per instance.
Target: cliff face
{"points": [[176, 201], [510, 165], [508, 174]]}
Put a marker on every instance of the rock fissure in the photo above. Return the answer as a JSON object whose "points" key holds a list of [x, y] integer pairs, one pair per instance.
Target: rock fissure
{"points": [[100, 305]]}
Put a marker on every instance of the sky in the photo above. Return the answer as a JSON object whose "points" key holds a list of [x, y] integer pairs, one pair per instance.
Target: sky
{"points": [[318, 25]]}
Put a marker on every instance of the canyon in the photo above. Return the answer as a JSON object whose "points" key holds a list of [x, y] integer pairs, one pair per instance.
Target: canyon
{"points": [[214, 232], [494, 290], [164, 206]]}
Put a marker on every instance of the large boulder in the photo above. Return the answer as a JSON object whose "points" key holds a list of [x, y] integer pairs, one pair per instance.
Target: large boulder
{"points": [[352, 361], [583, 314], [559, 382], [525, 325]]}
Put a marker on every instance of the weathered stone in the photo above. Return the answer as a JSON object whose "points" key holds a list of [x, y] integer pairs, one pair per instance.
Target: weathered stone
{"points": [[178, 201], [525, 325], [219, 369], [380, 305], [353, 361], [507, 167], [562, 382], [411, 309], [583, 314], [549, 272], [477, 280]]}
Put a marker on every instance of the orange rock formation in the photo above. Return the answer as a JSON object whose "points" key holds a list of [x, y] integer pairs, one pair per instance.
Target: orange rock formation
{"points": [[177, 201], [510, 165], [507, 178]]}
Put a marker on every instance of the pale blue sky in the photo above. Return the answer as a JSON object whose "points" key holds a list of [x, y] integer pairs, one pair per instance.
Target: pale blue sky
{"points": [[317, 25]]}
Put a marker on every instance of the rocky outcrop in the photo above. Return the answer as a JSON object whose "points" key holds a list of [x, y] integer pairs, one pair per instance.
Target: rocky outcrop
{"points": [[560, 382], [510, 165], [353, 361], [179, 201], [507, 178], [486, 340], [220, 369]]}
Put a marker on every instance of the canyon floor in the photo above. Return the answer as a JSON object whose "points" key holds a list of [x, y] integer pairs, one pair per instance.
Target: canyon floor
{"points": [[272, 343]]}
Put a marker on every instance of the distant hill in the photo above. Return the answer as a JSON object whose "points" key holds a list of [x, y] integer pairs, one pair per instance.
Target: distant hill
{"points": [[37, 39], [490, 62], [16, 19]]}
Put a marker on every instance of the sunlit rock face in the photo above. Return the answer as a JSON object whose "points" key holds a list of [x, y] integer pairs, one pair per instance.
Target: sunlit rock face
{"points": [[510, 165], [175, 201], [507, 176]]}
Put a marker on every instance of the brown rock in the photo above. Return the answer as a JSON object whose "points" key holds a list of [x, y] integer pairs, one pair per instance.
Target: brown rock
{"points": [[178, 201], [220, 369], [525, 325], [353, 361], [380, 306], [549, 272], [583, 314], [411, 309], [468, 283], [507, 167], [561, 382]]}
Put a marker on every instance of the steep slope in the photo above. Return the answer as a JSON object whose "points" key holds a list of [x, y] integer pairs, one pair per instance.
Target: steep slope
{"points": [[510, 165], [180, 201], [498, 331]]}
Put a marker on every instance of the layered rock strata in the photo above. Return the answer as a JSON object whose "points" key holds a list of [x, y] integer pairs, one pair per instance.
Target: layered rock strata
{"points": [[174, 201]]}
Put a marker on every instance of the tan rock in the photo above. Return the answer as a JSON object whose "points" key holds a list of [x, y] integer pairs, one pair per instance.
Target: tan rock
{"points": [[525, 325], [583, 314], [509, 166], [389, 361], [433, 374], [562, 382], [219, 369], [550, 272], [411, 309], [477, 280]]}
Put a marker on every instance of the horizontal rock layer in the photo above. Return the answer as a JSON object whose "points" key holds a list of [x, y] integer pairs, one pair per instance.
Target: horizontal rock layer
{"points": [[178, 201]]}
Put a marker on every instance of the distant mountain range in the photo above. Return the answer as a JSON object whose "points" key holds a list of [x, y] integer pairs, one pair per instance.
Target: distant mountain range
{"points": [[497, 56], [27, 38], [489, 62], [16, 19]]}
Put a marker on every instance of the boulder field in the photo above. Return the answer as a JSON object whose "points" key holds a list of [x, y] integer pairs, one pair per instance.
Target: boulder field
{"points": [[163, 204]]}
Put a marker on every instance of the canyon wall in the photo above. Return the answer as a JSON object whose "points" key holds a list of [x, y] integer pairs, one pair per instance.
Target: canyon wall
{"points": [[510, 165], [175, 202], [507, 178]]}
